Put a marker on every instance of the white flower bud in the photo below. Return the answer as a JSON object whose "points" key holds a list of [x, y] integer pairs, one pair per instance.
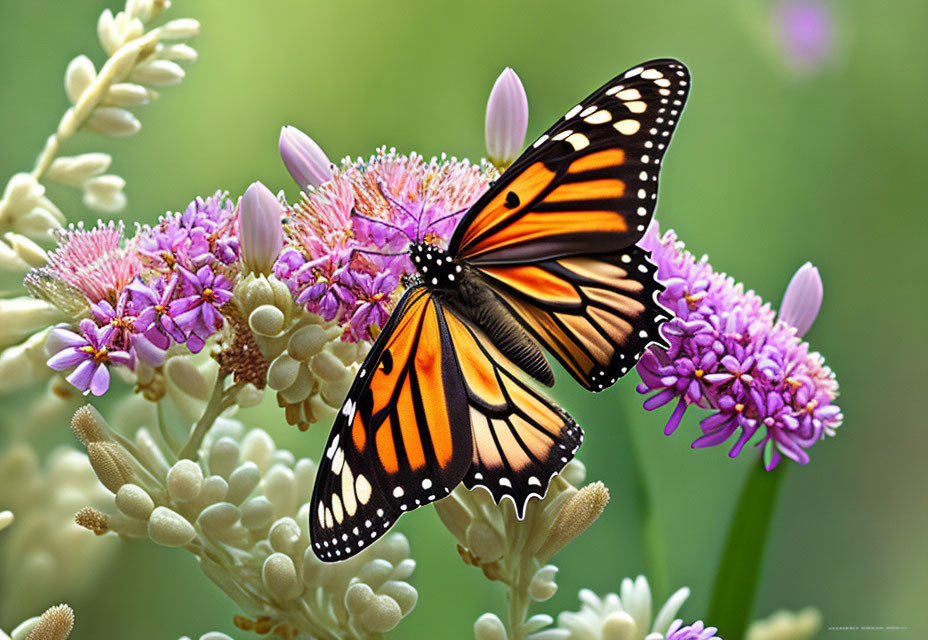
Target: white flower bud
{"points": [[261, 230], [282, 372], [258, 447], [108, 33], [111, 464], [619, 626], [6, 519], [218, 518], [128, 94], [307, 341], [185, 479], [279, 576], [403, 593], [249, 396], [328, 367], [75, 170], [574, 472], [243, 481], [485, 542], [26, 250], [169, 528], [347, 352], [266, 320], [184, 374], [180, 29], [284, 535], [224, 457], [377, 614], [158, 73], [23, 317], [507, 118], [304, 473], [134, 501], [542, 585], [395, 549], [375, 573], [541, 621], [334, 393], [302, 387], [79, 75], [113, 121], [178, 53], [215, 489], [104, 194], [280, 490], [489, 627], [55, 624], [257, 512]]}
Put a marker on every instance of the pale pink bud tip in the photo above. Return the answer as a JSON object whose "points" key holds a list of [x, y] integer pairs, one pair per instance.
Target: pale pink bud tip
{"points": [[507, 118], [261, 229], [304, 159], [803, 298]]}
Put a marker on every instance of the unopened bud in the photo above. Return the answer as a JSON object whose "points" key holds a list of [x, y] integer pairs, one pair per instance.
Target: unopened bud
{"points": [[90, 518], [55, 624], [111, 464], [304, 159], [507, 119], [261, 229], [580, 511], [89, 426]]}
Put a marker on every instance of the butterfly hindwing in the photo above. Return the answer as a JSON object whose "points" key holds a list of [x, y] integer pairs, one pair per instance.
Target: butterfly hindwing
{"points": [[589, 183], [521, 439], [402, 438], [596, 314]]}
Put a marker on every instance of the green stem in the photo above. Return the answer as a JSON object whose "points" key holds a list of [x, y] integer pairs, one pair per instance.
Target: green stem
{"points": [[218, 402], [739, 571]]}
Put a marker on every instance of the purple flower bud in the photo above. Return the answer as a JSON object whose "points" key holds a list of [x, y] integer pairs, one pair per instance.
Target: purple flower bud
{"points": [[805, 33], [261, 230], [304, 159], [803, 298], [507, 118]]}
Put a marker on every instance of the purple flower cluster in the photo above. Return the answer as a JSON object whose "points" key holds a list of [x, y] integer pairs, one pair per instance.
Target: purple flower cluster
{"points": [[165, 286], [695, 631], [730, 354], [347, 238]]}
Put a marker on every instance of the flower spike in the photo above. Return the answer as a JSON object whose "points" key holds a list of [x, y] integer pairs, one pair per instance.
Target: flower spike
{"points": [[507, 119], [304, 159]]}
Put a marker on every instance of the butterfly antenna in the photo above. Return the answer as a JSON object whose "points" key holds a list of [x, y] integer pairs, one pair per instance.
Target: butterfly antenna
{"points": [[443, 218], [396, 203], [355, 214]]}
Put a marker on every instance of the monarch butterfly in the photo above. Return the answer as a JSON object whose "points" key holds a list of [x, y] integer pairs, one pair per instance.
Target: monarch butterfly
{"points": [[546, 256]]}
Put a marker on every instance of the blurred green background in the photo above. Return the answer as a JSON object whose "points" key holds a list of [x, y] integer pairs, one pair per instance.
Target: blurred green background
{"points": [[769, 168]]}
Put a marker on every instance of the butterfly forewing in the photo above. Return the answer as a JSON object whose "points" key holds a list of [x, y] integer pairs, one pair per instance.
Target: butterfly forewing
{"points": [[402, 438], [589, 183]]}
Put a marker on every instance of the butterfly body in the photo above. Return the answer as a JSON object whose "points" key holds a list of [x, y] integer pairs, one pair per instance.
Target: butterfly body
{"points": [[545, 258]]}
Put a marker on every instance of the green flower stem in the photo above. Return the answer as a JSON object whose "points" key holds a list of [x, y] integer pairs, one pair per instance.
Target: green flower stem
{"points": [[739, 571], [218, 402]]}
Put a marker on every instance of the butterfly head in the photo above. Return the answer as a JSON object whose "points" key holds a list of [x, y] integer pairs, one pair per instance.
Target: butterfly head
{"points": [[434, 265]]}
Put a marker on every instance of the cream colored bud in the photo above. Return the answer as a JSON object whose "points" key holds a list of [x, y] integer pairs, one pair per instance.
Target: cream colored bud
{"points": [[254, 291], [108, 33], [257, 512], [574, 472], [258, 447], [334, 393], [134, 501], [218, 518], [489, 627], [266, 320], [485, 542], [104, 194], [75, 170], [184, 374], [283, 372], [26, 250], [185, 479], [22, 317], [579, 512], [249, 396], [6, 519], [395, 549], [328, 367], [455, 516], [284, 535], [302, 387], [79, 75], [620, 625], [403, 593], [542, 585], [347, 352], [113, 121], [243, 481], [786, 625], [180, 29], [279, 577], [170, 529], [307, 341], [128, 94], [158, 73], [178, 53], [55, 624], [377, 614], [215, 489], [111, 464], [224, 456], [280, 489]]}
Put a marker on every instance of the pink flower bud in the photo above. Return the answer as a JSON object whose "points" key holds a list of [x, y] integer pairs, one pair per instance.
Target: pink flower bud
{"points": [[304, 159], [803, 298], [261, 229], [507, 118]]}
